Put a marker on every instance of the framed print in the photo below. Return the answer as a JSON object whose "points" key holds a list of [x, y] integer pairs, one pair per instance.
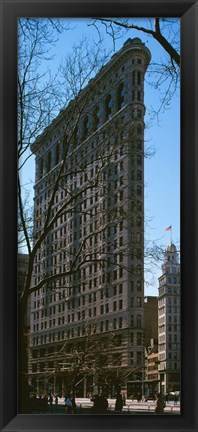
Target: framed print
{"points": [[78, 334]]}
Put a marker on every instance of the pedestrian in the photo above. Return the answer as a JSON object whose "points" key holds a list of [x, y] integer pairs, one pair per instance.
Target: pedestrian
{"points": [[175, 399], [139, 397], [95, 400], [124, 399], [56, 400], [102, 404], [68, 404], [119, 402], [73, 405], [160, 404], [51, 399]]}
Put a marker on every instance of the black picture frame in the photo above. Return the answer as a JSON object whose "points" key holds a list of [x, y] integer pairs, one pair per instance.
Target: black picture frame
{"points": [[10, 10]]}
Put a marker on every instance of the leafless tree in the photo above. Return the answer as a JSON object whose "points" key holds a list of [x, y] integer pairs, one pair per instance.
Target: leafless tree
{"points": [[163, 76], [98, 358], [39, 104]]}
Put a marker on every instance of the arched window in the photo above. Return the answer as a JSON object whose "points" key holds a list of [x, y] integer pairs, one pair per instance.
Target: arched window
{"points": [[75, 135], [57, 155], [139, 159], [108, 107], [139, 77], [49, 159], [139, 190], [120, 96], [65, 138], [139, 129], [85, 128], [41, 168], [96, 118], [139, 113]]}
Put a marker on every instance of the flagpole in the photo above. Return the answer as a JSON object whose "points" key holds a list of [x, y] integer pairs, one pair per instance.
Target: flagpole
{"points": [[171, 234]]}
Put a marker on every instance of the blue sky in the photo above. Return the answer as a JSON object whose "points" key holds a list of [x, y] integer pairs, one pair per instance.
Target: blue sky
{"points": [[162, 171]]}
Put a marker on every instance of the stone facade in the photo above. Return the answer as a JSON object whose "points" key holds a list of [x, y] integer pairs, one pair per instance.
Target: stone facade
{"points": [[96, 241], [151, 320], [169, 308]]}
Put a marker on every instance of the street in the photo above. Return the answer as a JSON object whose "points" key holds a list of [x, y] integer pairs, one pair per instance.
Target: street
{"points": [[84, 406]]}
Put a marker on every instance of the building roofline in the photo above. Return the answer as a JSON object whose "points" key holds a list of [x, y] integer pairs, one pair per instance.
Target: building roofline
{"points": [[128, 46]]}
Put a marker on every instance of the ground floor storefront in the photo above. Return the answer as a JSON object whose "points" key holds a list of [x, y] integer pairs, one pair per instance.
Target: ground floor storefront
{"points": [[83, 387]]}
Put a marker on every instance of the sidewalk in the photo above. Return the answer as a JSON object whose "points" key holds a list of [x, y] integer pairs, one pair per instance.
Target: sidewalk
{"points": [[84, 406]]}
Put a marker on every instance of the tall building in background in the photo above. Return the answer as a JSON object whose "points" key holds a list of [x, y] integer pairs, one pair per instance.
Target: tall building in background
{"points": [[169, 344], [151, 320], [97, 240]]}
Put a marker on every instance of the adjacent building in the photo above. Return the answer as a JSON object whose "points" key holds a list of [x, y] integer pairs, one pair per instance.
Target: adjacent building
{"points": [[151, 321], [89, 199], [151, 371], [169, 343]]}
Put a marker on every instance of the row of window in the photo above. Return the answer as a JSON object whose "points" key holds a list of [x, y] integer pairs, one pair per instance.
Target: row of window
{"points": [[115, 324], [53, 250], [105, 277], [136, 321], [84, 128], [46, 163], [170, 300], [171, 327], [104, 308], [71, 304], [171, 337], [169, 309], [136, 302], [136, 338], [136, 358]]}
